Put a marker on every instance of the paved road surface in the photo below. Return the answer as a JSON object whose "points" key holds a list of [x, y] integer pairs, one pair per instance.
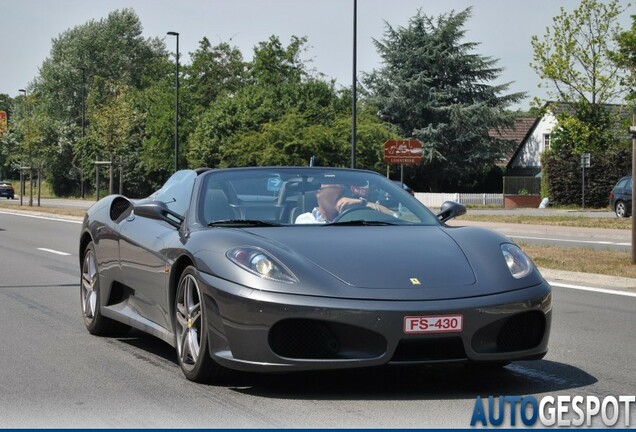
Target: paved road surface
{"points": [[54, 374]]}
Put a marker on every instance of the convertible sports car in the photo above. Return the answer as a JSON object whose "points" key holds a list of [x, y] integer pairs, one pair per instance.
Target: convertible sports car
{"points": [[217, 264]]}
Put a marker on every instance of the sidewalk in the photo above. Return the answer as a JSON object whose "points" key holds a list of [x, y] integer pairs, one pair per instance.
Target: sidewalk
{"points": [[590, 279]]}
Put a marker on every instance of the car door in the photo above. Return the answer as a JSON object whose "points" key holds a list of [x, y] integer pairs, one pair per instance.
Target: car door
{"points": [[143, 266], [143, 254]]}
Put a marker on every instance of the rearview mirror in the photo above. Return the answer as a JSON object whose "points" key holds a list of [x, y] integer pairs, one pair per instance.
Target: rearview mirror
{"points": [[159, 211], [450, 210]]}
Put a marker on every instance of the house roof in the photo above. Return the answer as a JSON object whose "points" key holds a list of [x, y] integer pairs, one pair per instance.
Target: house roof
{"points": [[517, 134]]}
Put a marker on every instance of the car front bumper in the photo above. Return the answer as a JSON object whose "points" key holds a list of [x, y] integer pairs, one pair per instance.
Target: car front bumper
{"points": [[253, 330]]}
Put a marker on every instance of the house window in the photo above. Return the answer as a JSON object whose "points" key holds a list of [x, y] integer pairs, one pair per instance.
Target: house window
{"points": [[546, 141]]}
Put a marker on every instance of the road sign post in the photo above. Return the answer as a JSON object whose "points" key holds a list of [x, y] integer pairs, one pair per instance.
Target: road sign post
{"points": [[403, 152], [585, 163]]}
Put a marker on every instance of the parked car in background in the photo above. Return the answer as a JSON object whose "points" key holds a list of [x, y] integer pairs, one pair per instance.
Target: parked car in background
{"points": [[621, 197], [6, 190]]}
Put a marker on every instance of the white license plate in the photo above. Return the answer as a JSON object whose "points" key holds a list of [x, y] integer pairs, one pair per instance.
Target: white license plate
{"points": [[433, 324]]}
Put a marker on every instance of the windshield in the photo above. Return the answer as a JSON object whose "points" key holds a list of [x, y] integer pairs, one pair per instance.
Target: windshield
{"points": [[306, 196], [177, 191]]}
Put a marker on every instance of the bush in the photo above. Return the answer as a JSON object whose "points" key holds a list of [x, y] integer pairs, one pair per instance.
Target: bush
{"points": [[564, 175]]}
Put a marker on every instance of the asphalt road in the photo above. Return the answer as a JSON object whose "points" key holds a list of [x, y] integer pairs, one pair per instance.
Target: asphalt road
{"points": [[594, 238], [54, 374], [616, 239]]}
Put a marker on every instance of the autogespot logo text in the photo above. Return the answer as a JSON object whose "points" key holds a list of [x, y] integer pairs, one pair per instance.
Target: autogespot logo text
{"points": [[560, 411]]}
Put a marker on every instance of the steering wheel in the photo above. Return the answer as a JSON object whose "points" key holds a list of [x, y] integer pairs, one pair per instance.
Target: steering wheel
{"points": [[359, 213]]}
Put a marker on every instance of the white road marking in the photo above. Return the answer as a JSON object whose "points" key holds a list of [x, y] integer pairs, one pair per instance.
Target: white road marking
{"points": [[53, 251], [41, 217], [555, 284], [598, 242], [592, 289]]}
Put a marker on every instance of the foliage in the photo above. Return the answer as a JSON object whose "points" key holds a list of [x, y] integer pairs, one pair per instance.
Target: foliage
{"points": [[106, 92], [574, 55], [563, 169], [214, 71], [283, 116], [625, 57], [589, 128], [435, 88], [110, 50]]}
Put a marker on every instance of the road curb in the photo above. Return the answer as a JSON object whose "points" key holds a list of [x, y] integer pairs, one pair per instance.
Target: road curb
{"points": [[590, 279]]}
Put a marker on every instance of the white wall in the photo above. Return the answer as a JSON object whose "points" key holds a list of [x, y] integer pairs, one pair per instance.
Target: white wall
{"points": [[530, 154]]}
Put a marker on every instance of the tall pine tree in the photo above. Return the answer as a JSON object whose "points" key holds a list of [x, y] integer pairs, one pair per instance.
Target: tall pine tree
{"points": [[435, 88]]}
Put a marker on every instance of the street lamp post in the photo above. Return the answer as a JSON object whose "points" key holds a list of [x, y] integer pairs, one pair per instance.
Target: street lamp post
{"points": [[24, 92], [354, 86], [176, 109]]}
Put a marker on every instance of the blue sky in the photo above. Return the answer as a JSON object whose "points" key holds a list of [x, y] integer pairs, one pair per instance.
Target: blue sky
{"points": [[502, 27]]}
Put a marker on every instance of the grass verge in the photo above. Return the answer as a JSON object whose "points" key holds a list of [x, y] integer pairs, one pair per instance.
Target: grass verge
{"points": [[50, 210], [587, 260], [573, 221]]}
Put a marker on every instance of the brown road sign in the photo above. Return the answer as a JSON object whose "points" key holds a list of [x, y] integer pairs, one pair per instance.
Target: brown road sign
{"points": [[403, 152]]}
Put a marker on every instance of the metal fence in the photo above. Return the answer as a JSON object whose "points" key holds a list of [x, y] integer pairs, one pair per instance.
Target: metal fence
{"points": [[478, 199]]}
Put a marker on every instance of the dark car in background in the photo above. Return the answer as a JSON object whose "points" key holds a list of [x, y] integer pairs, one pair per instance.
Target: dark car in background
{"points": [[6, 190], [621, 197]]}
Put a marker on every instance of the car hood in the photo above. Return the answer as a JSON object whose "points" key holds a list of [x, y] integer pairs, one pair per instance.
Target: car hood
{"points": [[373, 262], [382, 257]]}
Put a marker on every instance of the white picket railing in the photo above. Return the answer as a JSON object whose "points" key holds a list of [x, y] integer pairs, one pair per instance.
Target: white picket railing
{"points": [[436, 199]]}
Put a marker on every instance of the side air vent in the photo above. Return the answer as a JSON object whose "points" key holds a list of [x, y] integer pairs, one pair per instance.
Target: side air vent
{"points": [[118, 207]]}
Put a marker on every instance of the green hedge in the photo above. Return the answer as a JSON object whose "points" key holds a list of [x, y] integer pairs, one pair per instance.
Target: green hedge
{"points": [[564, 175]]}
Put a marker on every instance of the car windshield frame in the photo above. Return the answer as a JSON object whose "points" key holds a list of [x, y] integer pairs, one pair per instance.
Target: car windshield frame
{"points": [[276, 196]]}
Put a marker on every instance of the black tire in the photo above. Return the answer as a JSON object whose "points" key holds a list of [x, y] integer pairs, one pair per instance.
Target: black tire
{"points": [[191, 334], [95, 322], [620, 208]]}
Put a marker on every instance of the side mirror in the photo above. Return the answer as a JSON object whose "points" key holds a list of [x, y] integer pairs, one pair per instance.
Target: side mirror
{"points": [[159, 211], [450, 210]]}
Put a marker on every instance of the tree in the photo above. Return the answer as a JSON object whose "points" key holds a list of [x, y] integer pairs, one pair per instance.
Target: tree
{"points": [[574, 55], [435, 88], [282, 115], [625, 57], [213, 71], [108, 50], [575, 59], [111, 121]]}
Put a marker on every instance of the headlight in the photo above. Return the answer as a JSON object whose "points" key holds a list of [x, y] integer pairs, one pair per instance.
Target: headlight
{"points": [[261, 263], [518, 262]]}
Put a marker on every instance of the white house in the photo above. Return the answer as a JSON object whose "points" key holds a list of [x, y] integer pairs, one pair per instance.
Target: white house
{"points": [[526, 160]]}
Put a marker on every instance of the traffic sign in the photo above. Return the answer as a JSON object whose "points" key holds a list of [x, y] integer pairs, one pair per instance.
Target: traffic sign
{"points": [[3, 121], [403, 152]]}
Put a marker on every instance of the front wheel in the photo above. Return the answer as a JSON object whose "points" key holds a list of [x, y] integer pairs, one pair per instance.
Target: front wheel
{"points": [[621, 209], [191, 331], [95, 322]]}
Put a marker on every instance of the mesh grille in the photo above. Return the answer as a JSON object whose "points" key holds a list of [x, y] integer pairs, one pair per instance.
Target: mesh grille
{"points": [[305, 339], [521, 332], [118, 207]]}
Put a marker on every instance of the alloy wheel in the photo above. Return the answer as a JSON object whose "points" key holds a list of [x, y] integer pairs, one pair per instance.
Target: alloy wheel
{"points": [[89, 286], [189, 322], [621, 210]]}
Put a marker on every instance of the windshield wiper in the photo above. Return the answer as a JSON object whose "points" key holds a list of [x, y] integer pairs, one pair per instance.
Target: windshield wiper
{"points": [[242, 222], [361, 222]]}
